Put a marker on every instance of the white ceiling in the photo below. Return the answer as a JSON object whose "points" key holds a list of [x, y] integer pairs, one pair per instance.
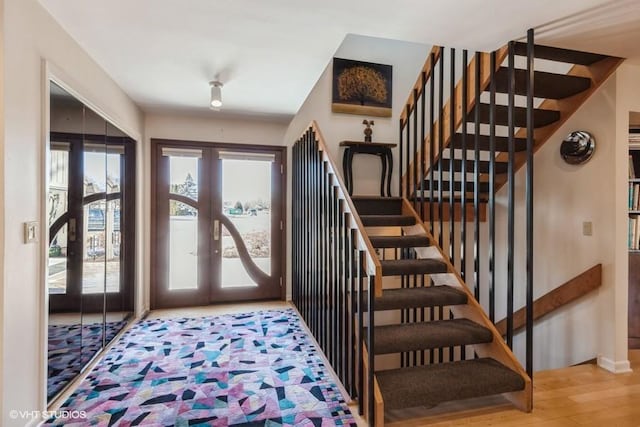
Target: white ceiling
{"points": [[270, 53]]}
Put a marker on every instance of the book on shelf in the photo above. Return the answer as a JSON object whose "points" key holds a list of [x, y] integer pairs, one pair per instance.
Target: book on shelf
{"points": [[632, 172], [634, 233], [634, 196]]}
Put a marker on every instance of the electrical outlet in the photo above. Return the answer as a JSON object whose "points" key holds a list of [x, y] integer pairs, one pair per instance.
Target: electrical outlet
{"points": [[31, 232], [587, 228]]}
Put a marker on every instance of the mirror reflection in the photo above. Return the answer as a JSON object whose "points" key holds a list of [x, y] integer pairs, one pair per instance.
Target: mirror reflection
{"points": [[91, 237]]}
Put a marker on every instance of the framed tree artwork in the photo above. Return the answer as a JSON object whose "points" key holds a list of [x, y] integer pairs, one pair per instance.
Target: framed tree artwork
{"points": [[361, 88]]}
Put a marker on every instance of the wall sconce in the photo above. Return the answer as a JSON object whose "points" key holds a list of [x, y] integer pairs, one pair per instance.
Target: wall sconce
{"points": [[578, 147], [216, 94]]}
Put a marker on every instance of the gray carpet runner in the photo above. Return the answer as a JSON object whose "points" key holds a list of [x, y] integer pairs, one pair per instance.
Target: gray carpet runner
{"points": [[430, 296], [399, 267], [434, 383], [430, 385], [428, 335]]}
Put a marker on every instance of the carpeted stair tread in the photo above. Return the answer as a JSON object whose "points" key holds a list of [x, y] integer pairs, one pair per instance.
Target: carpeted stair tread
{"points": [[387, 220], [399, 267], [415, 241], [375, 205], [430, 385], [428, 335], [429, 296]]}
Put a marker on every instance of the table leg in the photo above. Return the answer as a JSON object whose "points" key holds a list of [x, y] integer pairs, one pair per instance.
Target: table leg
{"points": [[345, 168], [389, 155], [350, 171], [383, 175]]}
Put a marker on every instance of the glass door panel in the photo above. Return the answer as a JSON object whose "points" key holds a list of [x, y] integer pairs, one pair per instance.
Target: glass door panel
{"points": [[183, 246], [246, 202]]}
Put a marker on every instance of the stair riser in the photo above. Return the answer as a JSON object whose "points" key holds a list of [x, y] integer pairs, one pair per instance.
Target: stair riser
{"points": [[546, 85], [540, 117], [378, 206]]}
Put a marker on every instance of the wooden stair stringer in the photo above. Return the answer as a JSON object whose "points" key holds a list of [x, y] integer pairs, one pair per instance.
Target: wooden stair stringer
{"points": [[485, 79], [377, 394], [598, 72], [473, 311]]}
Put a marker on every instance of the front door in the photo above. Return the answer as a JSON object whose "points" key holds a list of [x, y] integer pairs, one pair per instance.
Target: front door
{"points": [[218, 223]]}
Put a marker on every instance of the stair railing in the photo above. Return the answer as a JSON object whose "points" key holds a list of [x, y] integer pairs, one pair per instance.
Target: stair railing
{"points": [[332, 261], [447, 190]]}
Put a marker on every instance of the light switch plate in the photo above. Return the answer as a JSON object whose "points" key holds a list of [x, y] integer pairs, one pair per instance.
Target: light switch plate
{"points": [[31, 232], [587, 228]]}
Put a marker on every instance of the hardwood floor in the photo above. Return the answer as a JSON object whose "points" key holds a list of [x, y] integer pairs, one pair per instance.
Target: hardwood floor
{"points": [[582, 395], [220, 309]]}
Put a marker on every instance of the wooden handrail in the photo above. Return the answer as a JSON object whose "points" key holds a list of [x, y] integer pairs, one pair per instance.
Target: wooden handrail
{"points": [[436, 51], [372, 262], [570, 291]]}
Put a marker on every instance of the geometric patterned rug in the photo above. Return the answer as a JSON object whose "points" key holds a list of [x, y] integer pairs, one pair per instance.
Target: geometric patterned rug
{"points": [[253, 369]]}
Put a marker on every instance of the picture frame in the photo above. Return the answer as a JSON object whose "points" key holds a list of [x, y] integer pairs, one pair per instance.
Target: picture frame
{"points": [[363, 88]]}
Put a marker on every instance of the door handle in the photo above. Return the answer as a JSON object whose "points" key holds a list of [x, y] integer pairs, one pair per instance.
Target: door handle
{"points": [[72, 229], [216, 230]]}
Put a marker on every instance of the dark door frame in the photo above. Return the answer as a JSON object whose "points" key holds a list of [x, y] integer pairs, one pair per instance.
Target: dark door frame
{"points": [[156, 147]]}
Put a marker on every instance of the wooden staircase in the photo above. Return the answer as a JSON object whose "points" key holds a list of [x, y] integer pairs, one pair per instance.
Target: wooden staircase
{"points": [[452, 164], [465, 355], [462, 159], [559, 96]]}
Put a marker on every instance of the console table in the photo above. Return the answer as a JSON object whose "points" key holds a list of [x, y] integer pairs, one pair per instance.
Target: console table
{"points": [[381, 150]]}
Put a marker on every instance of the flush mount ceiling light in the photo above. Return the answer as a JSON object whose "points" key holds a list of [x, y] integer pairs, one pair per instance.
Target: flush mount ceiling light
{"points": [[216, 94]]}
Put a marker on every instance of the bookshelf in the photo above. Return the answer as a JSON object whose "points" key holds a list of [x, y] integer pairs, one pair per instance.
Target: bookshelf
{"points": [[634, 232], [634, 189]]}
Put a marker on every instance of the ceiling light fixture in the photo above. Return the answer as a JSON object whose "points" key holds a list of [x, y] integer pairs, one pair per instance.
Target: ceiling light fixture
{"points": [[216, 94]]}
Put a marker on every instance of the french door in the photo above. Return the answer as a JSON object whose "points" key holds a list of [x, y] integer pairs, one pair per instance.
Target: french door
{"points": [[218, 222]]}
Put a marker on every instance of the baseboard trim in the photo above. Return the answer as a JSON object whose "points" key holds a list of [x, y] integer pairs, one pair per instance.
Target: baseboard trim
{"points": [[617, 367]]}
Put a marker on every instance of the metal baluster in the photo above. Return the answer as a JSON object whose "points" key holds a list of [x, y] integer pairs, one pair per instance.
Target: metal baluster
{"points": [[440, 149], [492, 190], [432, 143], [529, 200], [511, 196], [400, 148], [463, 172], [452, 155], [476, 181]]}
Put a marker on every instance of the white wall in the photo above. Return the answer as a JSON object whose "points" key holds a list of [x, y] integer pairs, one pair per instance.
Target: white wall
{"points": [[31, 35], [207, 129], [564, 197], [407, 60], [215, 129]]}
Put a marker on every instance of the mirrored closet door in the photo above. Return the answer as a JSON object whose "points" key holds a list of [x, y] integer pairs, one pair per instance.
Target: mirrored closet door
{"points": [[90, 205]]}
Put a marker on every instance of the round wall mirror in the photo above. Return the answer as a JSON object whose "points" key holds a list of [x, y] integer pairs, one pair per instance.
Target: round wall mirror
{"points": [[578, 147]]}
